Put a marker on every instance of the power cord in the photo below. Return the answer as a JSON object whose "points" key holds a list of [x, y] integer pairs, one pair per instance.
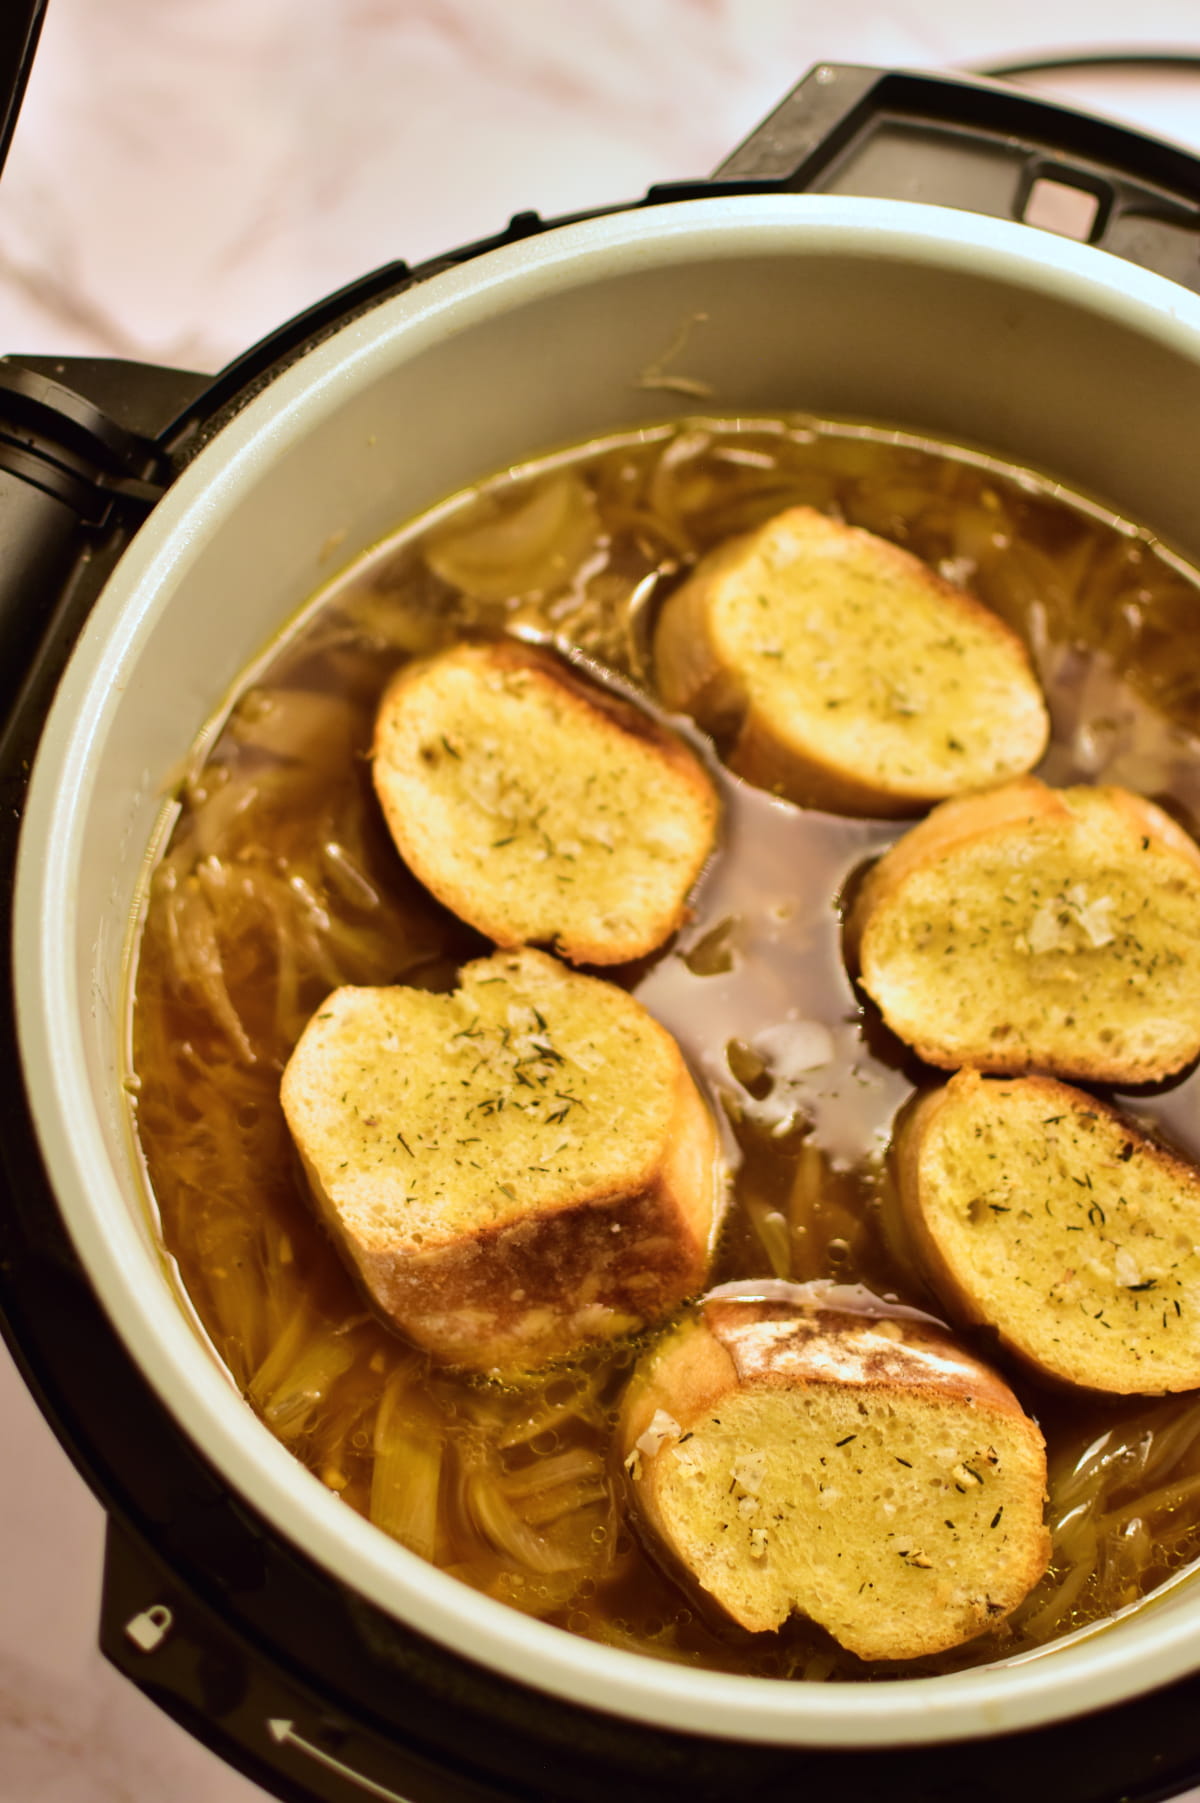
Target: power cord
{"points": [[1087, 59]]}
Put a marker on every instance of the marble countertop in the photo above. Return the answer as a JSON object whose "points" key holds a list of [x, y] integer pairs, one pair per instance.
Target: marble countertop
{"points": [[187, 175]]}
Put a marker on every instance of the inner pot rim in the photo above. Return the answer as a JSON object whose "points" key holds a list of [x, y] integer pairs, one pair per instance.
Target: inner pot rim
{"points": [[53, 1002]]}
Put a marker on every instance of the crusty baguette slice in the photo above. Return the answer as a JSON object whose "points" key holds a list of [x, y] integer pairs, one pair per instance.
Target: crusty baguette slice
{"points": [[844, 673], [539, 807], [1038, 929], [515, 1169], [864, 1471], [1041, 1212]]}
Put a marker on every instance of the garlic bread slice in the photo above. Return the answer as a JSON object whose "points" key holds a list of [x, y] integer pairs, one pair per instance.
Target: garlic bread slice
{"points": [[1032, 928], [843, 673], [862, 1470], [1038, 1211], [539, 807], [516, 1169]]}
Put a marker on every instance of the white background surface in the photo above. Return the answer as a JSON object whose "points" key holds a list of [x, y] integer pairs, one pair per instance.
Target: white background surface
{"points": [[188, 173]]}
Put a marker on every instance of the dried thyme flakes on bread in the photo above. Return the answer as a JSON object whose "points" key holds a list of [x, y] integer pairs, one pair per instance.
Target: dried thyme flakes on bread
{"points": [[1038, 1211], [1032, 928], [863, 1470], [539, 807], [844, 673], [515, 1169]]}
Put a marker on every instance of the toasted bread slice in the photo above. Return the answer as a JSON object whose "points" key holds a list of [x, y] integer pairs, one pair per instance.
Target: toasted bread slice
{"points": [[862, 1470], [539, 807], [1039, 1211], [844, 673], [1038, 929], [515, 1169]]}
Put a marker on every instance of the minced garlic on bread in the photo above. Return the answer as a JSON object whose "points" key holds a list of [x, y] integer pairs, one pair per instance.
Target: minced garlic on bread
{"points": [[539, 807], [1039, 1211], [862, 1470], [1038, 929], [515, 1169], [844, 673]]}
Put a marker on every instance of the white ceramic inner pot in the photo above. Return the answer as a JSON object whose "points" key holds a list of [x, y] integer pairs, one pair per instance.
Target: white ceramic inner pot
{"points": [[1037, 349]]}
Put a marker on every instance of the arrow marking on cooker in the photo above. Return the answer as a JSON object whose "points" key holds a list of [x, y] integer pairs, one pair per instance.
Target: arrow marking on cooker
{"points": [[283, 1732]]}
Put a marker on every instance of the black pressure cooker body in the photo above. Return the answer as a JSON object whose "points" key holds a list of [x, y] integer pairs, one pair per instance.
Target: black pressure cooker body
{"points": [[287, 1673]]}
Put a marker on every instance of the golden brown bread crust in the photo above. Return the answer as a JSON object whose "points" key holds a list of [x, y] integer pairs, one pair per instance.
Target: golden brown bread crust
{"points": [[1036, 1210], [883, 688], [503, 1202], [775, 1345], [541, 808], [862, 1469], [1028, 928]]}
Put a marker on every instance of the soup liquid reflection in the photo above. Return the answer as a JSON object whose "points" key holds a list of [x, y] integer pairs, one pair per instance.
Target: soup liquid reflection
{"points": [[279, 883]]}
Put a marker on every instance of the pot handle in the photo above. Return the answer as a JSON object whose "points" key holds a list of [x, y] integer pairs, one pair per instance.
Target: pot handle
{"points": [[80, 467], [983, 146]]}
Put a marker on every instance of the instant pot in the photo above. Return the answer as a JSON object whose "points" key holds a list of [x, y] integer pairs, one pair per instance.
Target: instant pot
{"points": [[871, 250]]}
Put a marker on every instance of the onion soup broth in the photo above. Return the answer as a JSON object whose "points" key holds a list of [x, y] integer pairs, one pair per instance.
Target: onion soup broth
{"points": [[279, 883]]}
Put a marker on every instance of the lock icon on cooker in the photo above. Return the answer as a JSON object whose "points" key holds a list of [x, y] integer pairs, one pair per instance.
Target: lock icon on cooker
{"points": [[149, 1629]]}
